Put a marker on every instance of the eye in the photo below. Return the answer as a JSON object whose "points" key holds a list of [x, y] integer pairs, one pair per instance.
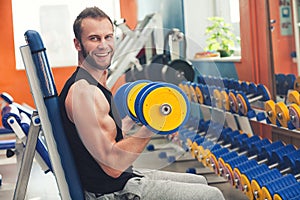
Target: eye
{"points": [[94, 38], [109, 37]]}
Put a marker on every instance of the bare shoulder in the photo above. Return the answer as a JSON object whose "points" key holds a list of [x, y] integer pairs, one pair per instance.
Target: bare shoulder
{"points": [[83, 96]]}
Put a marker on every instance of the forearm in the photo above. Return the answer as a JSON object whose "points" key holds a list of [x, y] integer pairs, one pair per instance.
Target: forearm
{"points": [[126, 151]]}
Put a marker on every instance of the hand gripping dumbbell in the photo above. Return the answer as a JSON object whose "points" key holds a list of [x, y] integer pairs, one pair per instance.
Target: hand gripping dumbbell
{"points": [[161, 107], [244, 101], [291, 160]]}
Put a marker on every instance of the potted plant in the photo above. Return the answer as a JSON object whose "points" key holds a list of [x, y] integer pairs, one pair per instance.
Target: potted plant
{"points": [[220, 37]]}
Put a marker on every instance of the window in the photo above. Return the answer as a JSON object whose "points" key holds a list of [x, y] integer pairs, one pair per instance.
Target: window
{"points": [[53, 20]]}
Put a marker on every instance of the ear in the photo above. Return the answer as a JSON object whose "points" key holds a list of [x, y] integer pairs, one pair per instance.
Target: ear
{"points": [[77, 44]]}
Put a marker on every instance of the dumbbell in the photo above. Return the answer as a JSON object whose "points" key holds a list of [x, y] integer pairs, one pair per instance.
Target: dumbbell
{"points": [[283, 115], [236, 171], [270, 189], [242, 148], [262, 94], [252, 148], [226, 136], [253, 153], [161, 107], [291, 160], [276, 160], [294, 112], [288, 192], [271, 112], [196, 140], [293, 96]]}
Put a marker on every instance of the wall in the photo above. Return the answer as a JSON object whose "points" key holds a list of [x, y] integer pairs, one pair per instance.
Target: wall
{"points": [[15, 81], [283, 45]]}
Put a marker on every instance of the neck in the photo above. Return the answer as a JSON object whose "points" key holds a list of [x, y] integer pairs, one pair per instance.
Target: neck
{"points": [[98, 74]]}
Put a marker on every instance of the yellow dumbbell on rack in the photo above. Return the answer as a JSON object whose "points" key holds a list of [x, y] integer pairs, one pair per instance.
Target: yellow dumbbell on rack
{"points": [[293, 97], [270, 111]]}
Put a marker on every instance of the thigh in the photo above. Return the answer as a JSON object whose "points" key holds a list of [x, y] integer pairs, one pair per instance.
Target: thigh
{"points": [[170, 190], [175, 176]]}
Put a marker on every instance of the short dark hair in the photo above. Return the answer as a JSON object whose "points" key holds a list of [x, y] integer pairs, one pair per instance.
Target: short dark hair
{"points": [[93, 12]]}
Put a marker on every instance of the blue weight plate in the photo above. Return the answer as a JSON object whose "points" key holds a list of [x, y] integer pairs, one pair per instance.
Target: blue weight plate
{"points": [[119, 100]]}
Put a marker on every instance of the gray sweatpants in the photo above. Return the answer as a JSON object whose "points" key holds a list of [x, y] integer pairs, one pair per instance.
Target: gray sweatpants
{"points": [[161, 185]]}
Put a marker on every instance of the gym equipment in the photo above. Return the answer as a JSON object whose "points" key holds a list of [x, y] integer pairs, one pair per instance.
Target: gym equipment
{"points": [[14, 120], [128, 49], [277, 157], [262, 94], [294, 112], [282, 114], [271, 112], [162, 107], [293, 96], [168, 67], [288, 192], [45, 95]]}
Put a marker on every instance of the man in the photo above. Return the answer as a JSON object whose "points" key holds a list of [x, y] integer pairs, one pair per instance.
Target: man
{"points": [[95, 132]]}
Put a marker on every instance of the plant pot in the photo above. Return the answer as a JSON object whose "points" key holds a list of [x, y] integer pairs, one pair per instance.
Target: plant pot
{"points": [[224, 53]]}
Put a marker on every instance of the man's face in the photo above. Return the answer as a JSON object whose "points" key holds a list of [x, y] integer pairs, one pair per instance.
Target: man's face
{"points": [[97, 42]]}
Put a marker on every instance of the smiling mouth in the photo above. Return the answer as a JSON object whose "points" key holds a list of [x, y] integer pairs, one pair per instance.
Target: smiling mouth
{"points": [[103, 54]]}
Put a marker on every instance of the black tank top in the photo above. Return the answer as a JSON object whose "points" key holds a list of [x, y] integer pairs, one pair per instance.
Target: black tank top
{"points": [[92, 177]]}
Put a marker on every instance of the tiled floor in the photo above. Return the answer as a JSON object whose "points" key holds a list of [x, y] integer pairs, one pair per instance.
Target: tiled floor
{"points": [[43, 187]]}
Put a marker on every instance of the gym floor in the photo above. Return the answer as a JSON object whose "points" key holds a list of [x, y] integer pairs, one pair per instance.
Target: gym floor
{"points": [[42, 186]]}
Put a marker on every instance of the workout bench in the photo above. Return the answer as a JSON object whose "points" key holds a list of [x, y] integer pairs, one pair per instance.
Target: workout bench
{"points": [[47, 117]]}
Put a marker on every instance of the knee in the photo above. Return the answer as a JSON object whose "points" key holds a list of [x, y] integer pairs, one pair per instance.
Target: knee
{"points": [[202, 179], [215, 194]]}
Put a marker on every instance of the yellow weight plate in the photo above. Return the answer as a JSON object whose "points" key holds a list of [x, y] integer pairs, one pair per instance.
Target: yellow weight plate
{"points": [[221, 167], [270, 110], [214, 164], [131, 97], [237, 178], [282, 113], [225, 100], [193, 94], [266, 194], [195, 149], [188, 92], [199, 95], [246, 185], [233, 102], [297, 84], [277, 197], [185, 88], [218, 98], [205, 155], [198, 152], [243, 107], [293, 97], [192, 147], [229, 171], [256, 190], [164, 109], [294, 112]]}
